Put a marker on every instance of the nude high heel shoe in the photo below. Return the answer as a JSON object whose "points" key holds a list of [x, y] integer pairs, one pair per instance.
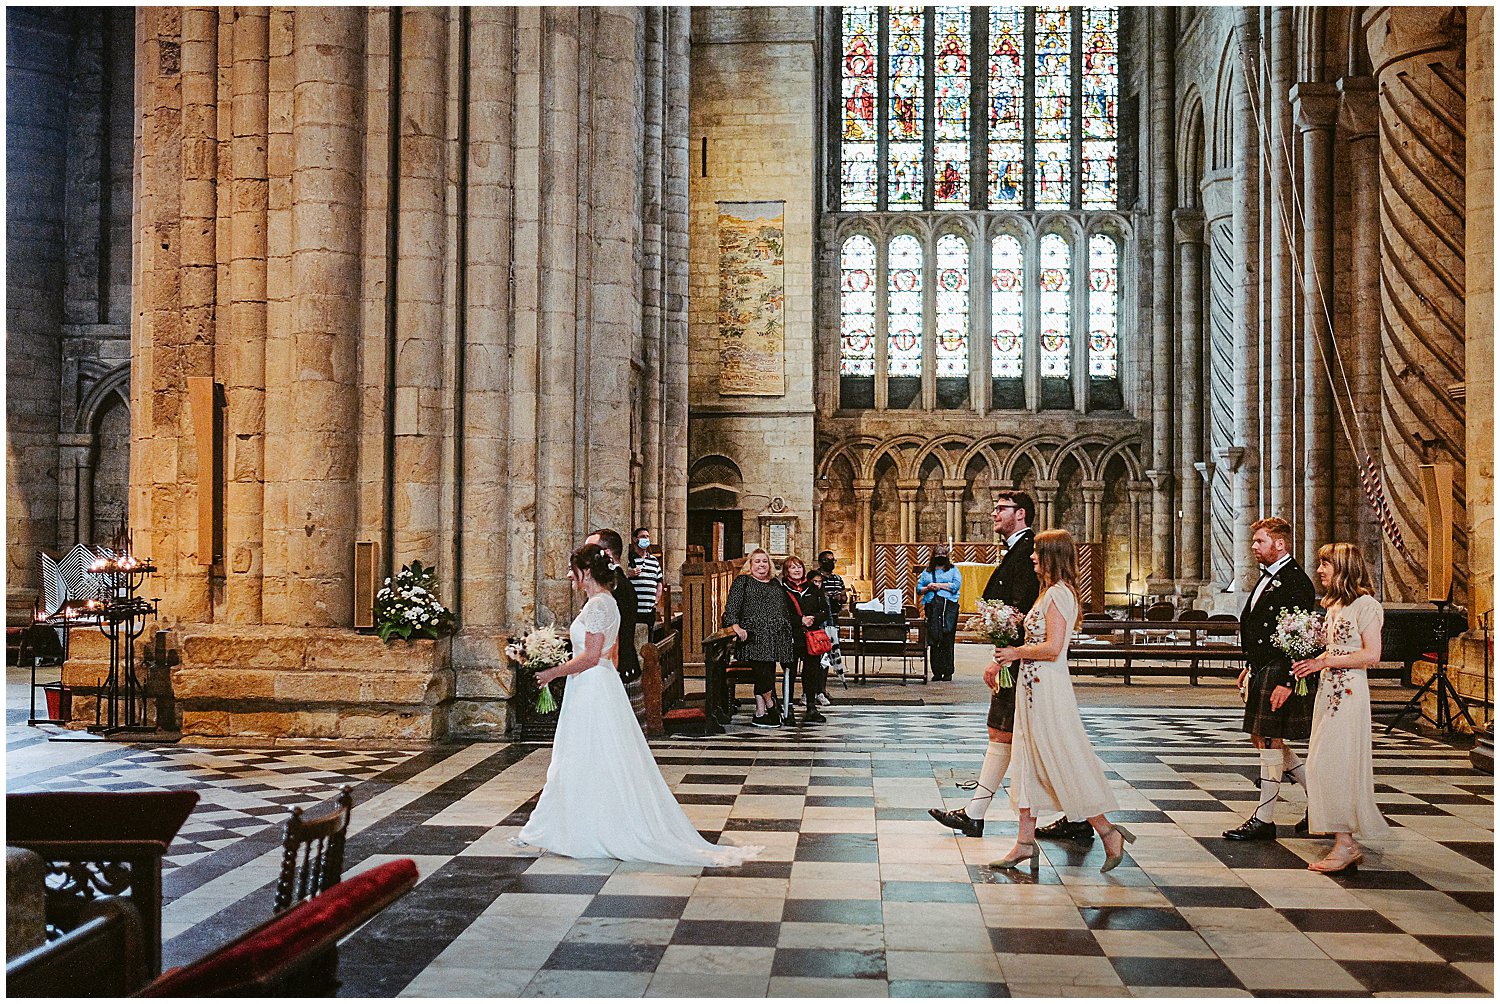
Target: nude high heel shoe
{"points": [[1112, 861], [1013, 862]]}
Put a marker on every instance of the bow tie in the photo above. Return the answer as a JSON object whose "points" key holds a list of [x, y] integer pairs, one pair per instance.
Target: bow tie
{"points": [[1265, 573]]}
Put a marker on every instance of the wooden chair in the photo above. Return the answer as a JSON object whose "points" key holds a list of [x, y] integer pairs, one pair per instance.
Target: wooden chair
{"points": [[312, 850], [1160, 612], [1193, 615]]}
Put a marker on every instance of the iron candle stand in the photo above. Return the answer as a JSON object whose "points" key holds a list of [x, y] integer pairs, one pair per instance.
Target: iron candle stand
{"points": [[122, 619]]}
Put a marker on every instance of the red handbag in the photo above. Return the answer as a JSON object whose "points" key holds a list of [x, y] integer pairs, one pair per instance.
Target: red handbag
{"points": [[818, 642]]}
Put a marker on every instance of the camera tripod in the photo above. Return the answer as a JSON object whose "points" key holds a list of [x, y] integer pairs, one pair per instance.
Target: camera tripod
{"points": [[1439, 686]]}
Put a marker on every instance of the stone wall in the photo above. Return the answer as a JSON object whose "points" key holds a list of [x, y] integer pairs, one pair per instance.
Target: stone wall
{"points": [[753, 116]]}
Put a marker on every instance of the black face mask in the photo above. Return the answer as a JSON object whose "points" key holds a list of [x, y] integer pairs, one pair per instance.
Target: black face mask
{"points": [[942, 561], [826, 565]]}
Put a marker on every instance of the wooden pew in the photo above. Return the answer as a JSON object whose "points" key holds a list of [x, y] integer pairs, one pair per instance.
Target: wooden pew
{"points": [[667, 707]]}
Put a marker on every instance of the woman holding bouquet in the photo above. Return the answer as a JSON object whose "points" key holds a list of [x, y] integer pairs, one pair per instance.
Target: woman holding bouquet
{"points": [[605, 796], [1340, 775], [1054, 770]]}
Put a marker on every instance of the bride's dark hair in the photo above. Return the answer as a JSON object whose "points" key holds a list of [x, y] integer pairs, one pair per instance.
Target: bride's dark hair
{"points": [[594, 559]]}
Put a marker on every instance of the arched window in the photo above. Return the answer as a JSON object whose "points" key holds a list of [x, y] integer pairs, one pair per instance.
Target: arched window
{"points": [[1104, 321], [903, 352], [951, 353], [857, 307], [1055, 300], [1007, 321]]}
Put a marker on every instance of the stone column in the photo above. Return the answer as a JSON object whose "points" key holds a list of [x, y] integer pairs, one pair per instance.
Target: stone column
{"points": [[327, 55], [653, 272], [906, 493], [1163, 199], [1479, 312], [1241, 458], [488, 329], [1359, 132], [1218, 207], [245, 353], [864, 551], [1316, 107], [953, 494], [1416, 54], [1046, 496], [1140, 503], [1093, 511], [675, 319], [1188, 231], [1282, 465]]}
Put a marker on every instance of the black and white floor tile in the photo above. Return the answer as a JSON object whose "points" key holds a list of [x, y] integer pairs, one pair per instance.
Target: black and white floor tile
{"points": [[859, 893]]}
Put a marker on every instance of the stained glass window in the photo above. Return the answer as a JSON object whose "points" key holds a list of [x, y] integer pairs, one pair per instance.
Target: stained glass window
{"points": [[1056, 303], [861, 36], [951, 100], [1007, 306], [907, 127], [1104, 305], [1007, 112], [1101, 90], [904, 307], [857, 307], [952, 352], [1052, 146]]}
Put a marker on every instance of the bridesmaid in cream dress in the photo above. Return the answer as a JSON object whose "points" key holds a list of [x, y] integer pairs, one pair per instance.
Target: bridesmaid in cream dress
{"points": [[1340, 774], [1054, 769]]}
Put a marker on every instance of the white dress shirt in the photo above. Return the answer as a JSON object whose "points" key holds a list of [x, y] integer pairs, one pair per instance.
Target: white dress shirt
{"points": [[1265, 579]]}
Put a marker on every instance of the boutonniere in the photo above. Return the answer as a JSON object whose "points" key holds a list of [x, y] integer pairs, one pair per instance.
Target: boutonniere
{"points": [[1275, 584]]}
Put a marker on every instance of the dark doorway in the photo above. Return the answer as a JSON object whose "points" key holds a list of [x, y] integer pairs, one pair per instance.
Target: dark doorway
{"points": [[731, 524]]}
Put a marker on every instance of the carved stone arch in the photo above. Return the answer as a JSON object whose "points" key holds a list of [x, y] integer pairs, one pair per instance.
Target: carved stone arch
{"points": [[892, 448], [1190, 148], [1113, 224], [1222, 126], [1039, 450], [953, 223], [1078, 448], [987, 449], [854, 226], [99, 398], [1062, 223], [921, 229], [940, 448], [1021, 227], [1126, 451], [857, 451]]}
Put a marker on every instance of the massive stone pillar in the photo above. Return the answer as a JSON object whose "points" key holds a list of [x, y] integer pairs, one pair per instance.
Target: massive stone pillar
{"points": [[1223, 434], [1188, 235], [674, 415], [1316, 107], [1416, 53], [1281, 465], [1243, 459], [1479, 316], [1163, 197], [1358, 130]]}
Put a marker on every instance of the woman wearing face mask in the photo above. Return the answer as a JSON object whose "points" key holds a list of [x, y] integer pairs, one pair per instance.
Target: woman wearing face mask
{"points": [[809, 610], [938, 589]]}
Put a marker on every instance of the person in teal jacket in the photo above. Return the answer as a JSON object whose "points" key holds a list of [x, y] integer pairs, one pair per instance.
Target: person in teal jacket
{"points": [[938, 588]]}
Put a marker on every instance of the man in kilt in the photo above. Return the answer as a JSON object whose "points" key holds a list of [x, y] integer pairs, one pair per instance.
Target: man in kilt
{"points": [[1013, 582], [1273, 711]]}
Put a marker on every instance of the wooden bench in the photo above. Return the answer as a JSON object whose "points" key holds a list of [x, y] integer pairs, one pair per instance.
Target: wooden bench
{"points": [[668, 708]]}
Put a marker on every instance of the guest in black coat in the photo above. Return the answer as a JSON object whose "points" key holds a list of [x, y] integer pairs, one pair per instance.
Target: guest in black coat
{"points": [[1273, 711], [808, 608]]}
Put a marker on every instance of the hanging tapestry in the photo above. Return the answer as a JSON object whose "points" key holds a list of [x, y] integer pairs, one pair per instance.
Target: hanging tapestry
{"points": [[752, 338]]}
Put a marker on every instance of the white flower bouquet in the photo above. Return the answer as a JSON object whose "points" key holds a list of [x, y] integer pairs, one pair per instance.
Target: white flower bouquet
{"points": [[1299, 634], [407, 606], [1002, 625], [542, 648]]}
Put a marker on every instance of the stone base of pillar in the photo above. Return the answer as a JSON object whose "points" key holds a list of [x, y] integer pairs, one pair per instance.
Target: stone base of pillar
{"points": [[481, 693], [1161, 587], [310, 683]]}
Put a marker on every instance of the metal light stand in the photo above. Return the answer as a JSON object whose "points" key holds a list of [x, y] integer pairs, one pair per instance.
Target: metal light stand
{"points": [[1439, 685], [122, 619]]}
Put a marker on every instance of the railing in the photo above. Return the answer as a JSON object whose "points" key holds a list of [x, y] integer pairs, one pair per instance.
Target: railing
{"points": [[898, 565], [705, 591]]}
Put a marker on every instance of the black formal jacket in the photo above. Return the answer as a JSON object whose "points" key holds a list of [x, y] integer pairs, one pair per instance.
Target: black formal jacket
{"points": [[624, 594], [1289, 588], [1015, 582]]}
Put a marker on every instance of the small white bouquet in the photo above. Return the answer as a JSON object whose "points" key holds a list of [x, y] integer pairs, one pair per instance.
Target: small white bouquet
{"points": [[1299, 634], [407, 606], [541, 649], [1002, 625]]}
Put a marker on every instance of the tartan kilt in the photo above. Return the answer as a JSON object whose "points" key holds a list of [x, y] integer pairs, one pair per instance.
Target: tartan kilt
{"points": [[1293, 721], [1002, 714]]}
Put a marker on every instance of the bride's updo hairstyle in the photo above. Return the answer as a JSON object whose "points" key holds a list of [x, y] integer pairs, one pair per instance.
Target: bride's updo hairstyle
{"points": [[594, 559]]}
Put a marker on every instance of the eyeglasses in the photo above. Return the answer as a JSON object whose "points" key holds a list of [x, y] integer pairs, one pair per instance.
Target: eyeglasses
{"points": [[1001, 508]]}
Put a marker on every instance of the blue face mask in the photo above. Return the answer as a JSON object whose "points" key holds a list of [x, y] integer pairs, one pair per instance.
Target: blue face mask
{"points": [[643, 542]]}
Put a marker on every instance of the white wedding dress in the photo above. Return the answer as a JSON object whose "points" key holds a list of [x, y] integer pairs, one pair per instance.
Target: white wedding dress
{"points": [[605, 796]]}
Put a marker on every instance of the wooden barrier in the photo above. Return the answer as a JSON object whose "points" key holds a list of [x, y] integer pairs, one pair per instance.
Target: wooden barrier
{"points": [[898, 565], [705, 591]]}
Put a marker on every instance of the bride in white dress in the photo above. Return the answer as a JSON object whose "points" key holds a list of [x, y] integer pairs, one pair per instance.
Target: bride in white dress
{"points": [[605, 797]]}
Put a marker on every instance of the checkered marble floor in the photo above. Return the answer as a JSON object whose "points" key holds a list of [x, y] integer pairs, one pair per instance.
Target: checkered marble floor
{"points": [[859, 893]]}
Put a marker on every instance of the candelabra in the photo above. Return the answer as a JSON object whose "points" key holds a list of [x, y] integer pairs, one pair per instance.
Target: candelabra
{"points": [[122, 615]]}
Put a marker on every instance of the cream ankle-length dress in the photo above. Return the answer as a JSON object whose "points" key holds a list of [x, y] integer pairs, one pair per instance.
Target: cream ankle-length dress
{"points": [[605, 796], [1340, 772], [1054, 768]]}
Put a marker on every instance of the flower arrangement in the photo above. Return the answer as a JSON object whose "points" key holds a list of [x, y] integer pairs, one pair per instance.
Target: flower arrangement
{"points": [[542, 648], [1299, 634], [407, 606], [1002, 625]]}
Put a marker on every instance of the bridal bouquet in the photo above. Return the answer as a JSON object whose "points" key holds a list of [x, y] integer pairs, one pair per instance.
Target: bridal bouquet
{"points": [[542, 648], [1002, 625], [1299, 633], [408, 605]]}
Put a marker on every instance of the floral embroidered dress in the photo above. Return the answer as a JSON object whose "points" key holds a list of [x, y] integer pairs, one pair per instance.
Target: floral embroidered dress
{"points": [[1340, 775], [1054, 768]]}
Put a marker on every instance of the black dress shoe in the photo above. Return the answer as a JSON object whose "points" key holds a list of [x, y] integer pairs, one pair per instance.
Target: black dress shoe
{"points": [[959, 820], [1252, 829], [1066, 829]]}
